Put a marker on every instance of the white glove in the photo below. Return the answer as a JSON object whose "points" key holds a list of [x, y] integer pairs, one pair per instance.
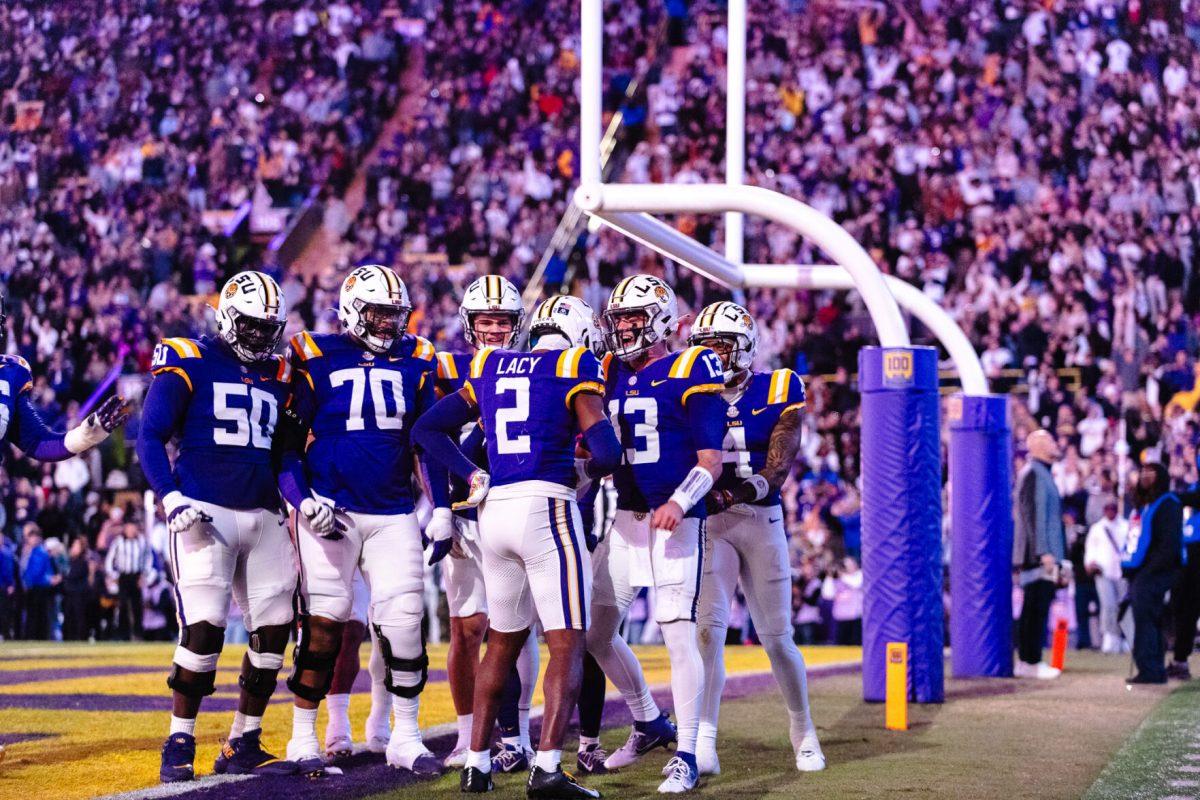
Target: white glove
{"points": [[181, 514], [318, 514], [583, 481], [441, 525], [478, 488]]}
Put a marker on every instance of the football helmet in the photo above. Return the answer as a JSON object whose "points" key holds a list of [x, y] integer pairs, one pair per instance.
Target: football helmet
{"points": [[570, 317], [491, 294], [648, 308], [251, 315], [374, 307], [728, 322]]}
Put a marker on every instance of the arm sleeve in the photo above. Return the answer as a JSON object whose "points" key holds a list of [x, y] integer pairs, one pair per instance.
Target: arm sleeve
{"points": [[437, 476], [166, 403], [435, 433], [288, 452], [602, 443], [707, 413], [32, 435]]}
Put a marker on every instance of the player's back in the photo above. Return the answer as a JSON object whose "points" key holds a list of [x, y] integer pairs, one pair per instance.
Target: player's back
{"points": [[226, 428], [361, 406], [752, 418], [525, 402], [649, 409]]}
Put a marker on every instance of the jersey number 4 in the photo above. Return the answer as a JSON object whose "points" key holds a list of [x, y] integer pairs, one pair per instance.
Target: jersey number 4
{"points": [[639, 417], [249, 426], [383, 382]]}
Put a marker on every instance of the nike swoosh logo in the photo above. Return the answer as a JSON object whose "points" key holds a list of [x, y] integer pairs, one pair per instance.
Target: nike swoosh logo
{"points": [[758, 411], [773, 521], [658, 383]]}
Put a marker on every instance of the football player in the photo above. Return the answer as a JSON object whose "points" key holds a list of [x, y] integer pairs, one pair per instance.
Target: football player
{"points": [[536, 565], [671, 417], [339, 741], [221, 396], [21, 424], [746, 538], [491, 313], [360, 392]]}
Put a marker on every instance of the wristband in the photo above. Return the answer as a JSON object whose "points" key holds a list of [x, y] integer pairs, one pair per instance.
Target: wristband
{"points": [[760, 486], [694, 487], [84, 436]]}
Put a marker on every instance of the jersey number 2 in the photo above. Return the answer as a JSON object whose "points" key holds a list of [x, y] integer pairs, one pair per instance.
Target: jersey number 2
{"points": [[506, 443]]}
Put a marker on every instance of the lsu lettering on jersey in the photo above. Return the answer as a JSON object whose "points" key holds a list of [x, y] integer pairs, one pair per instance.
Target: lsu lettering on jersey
{"points": [[360, 407], [648, 409], [525, 407], [223, 413], [752, 417]]}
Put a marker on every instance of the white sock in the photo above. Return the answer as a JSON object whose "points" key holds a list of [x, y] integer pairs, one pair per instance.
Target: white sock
{"points": [[687, 680], [548, 760], [239, 724], [465, 721], [181, 725], [304, 722], [523, 727], [406, 732], [510, 741], [588, 741], [480, 760], [643, 706], [251, 724], [339, 714], [707, 734]]}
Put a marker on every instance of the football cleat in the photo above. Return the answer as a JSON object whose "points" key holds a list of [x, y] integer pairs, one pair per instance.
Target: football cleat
{"points": [[809, 758], [245, 756], [655, 733], [378, 733], [457, 758], [511, 758], [475, 781], [178, 756], [339, 746], [421, 763], [591, 760], [557, 785], [681, 777], [707, 762]]}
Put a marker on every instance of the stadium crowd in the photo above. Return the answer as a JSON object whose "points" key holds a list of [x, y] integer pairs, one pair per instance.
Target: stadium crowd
{"points": [[1033, 166]]}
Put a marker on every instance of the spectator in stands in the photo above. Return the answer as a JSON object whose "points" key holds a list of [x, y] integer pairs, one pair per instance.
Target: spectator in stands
{"points": [[844, 587], [77, 592], [1039, 549], [38, 579], [1087, 603], [8, 587]]}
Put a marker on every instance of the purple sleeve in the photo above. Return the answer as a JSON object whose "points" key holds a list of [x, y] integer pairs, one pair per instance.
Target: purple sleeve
{"points": [[436, 434], [602, 443], [33, 436], [707, 413], [162, 415]]}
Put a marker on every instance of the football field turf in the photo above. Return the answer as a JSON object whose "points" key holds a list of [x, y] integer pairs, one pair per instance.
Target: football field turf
{"points": [[83, 721]]}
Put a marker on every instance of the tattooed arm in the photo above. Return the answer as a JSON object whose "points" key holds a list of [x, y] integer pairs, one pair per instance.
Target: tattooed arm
{"points": [[781, 454]]}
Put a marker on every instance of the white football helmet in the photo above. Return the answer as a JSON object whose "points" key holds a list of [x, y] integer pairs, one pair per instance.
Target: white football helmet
{"points": [[653, 313], [374, 307], [251, 315], [491, 294], [728, 322], [569, 317]]}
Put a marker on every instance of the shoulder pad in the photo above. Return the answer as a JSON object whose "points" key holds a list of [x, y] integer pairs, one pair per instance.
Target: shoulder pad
{"points": [[606, 365], [423, 349], [182, 348], [305, 347], [568, 362], [284, 373], [682, 367], [785, 387], [24, 375], [479, 360], [447, 369]]}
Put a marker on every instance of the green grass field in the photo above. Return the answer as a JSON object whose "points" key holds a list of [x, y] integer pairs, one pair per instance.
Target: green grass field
{"points": [[997, 739]]}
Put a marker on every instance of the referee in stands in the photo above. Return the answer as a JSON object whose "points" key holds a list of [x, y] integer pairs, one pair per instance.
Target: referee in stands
{"points": [[129, 564]]}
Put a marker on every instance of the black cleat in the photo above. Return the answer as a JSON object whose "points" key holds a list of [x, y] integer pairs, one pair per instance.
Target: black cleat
{"points": [[1179, 671], [475, 781], [178, 753], [557, 785]]}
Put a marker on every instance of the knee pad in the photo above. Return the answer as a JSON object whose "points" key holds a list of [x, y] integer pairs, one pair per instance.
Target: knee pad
{"points": [[197, 653], [305, 659], [262, 675], [396, 667]]}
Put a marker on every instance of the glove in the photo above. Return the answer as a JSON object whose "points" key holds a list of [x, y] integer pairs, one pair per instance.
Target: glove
{"points": [[583, 482], [181, 514], [322, 519], [111, 415], [440, 533], [718, 500], [477, 490]]}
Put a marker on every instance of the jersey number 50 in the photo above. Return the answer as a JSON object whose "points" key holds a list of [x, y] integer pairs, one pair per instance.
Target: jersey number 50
{"points": [[251, 426]]}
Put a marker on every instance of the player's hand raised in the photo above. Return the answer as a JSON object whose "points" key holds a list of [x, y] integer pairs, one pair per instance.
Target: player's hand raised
{"points": [[666, 517], [112, 414]]}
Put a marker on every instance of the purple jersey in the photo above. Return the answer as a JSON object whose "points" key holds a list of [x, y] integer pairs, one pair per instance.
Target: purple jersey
{"points": [[649, 410], [452, 372], [361, 407], [752, 418], [223, 413], [525, 407]]}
